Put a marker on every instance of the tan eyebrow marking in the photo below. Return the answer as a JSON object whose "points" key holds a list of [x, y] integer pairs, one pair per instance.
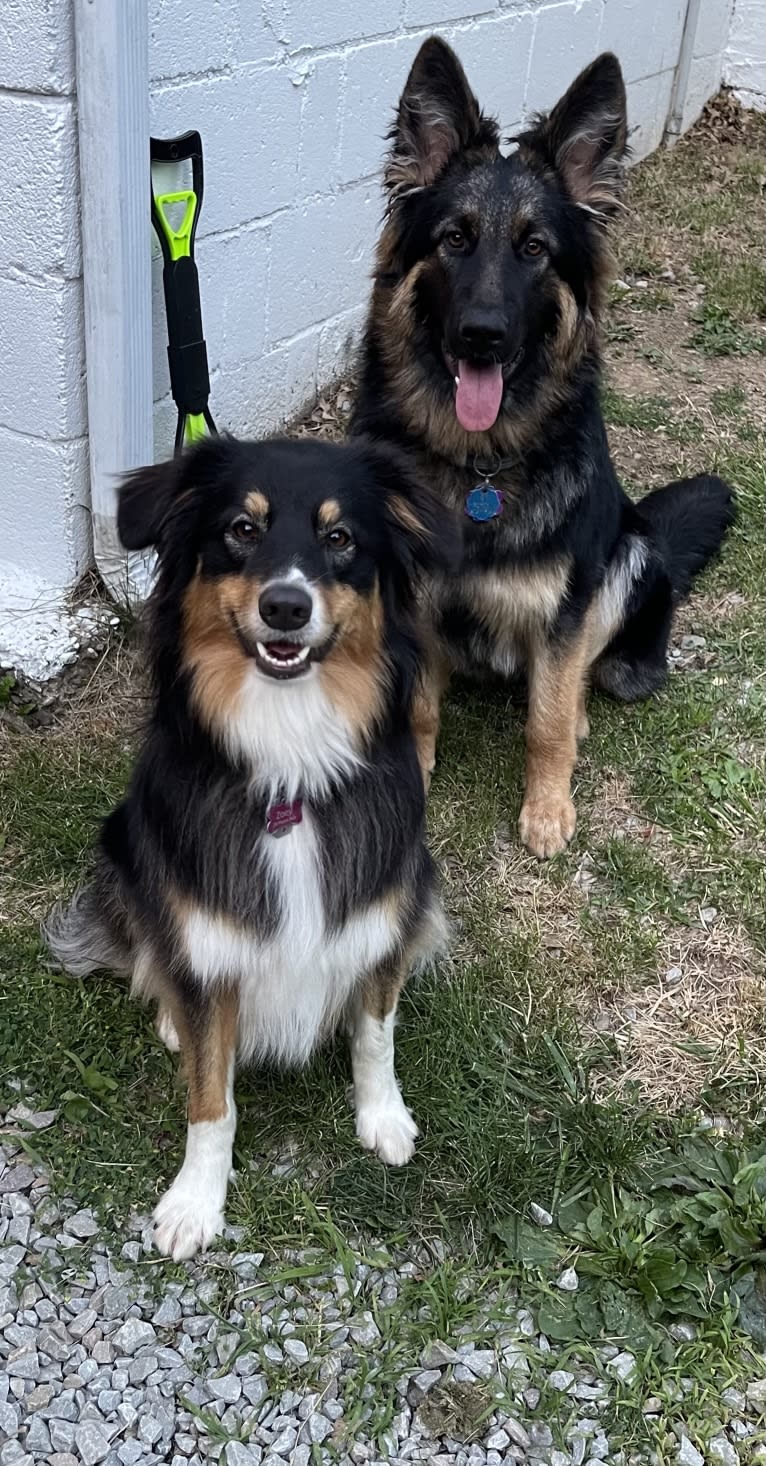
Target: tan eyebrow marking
{"points": [[328, 513], [257, 504]]}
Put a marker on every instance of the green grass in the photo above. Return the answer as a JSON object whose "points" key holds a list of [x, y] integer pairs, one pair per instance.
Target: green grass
{"points": [[737, 286], [649, 414], [717, 333]]}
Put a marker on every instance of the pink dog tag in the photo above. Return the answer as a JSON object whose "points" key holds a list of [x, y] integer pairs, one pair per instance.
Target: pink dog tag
{"points": [[281, 816]]}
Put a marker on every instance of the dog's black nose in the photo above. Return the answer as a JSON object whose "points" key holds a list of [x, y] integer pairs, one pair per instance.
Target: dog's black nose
{"points": [[482, 332], [285, 606]]}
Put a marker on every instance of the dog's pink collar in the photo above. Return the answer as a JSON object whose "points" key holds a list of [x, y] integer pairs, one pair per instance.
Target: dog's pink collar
{"points": [[280, 817]]}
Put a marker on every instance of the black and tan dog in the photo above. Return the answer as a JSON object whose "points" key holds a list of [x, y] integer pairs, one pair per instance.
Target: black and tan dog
{"points": [[266, 875], [481, 359]]}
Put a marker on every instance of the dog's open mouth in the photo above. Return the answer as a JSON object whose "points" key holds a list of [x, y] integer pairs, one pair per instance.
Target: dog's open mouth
{"points": [[479, 388], [282, 659]]}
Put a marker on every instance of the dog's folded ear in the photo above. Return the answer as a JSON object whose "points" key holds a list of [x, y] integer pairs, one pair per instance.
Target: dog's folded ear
{"points": [[145, 498], [438, 117], [424, 534], [149, 497], [584, 140]]}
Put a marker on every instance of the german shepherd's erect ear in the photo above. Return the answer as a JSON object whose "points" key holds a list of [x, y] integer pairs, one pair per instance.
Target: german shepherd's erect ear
{"points": [[584, 140], [438, 117]]}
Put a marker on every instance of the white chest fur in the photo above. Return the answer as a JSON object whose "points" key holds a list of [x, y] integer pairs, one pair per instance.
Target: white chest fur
{"points": [[294, 986], [290, 734]]}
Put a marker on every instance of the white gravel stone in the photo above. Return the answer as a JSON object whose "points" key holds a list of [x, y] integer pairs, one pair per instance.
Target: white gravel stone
{"points": [[560, 1379], [228, 1388], [135, 1334], [721, 1450], [284, 1442], [83, 1324], [623, 1366], [130, 1452], [81, 1225], [38, 1437], [481, 1363], [437, 1354], [296, 1350], [688, 1455], [497, 1440], [24, 1365], [365, 1332], [168, 1314], [317, 1428], [10, 1416], [238, 1454], [568, 1281], [539, 1215], [517, 1432], [92, 1445]]}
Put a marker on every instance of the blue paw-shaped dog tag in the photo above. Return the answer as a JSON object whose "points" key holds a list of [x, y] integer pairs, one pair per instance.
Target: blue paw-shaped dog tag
{"points": [[483, 503]]}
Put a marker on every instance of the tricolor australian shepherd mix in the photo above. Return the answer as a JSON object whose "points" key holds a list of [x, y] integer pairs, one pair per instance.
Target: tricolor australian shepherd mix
{"points": [[266, 876], [481, 360]]}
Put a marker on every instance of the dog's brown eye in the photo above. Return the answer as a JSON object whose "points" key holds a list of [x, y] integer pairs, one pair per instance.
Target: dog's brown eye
{"points": [[243, 529], [534, 247], [455, 239], [339, 538]]}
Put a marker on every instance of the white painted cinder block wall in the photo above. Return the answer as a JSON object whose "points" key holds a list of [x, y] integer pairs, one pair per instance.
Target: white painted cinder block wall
{"points": [[744, 66], [293, 99], [43, 448]]}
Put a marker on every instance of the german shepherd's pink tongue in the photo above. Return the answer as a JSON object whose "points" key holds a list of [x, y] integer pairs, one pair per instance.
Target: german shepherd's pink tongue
{"points": [[478, 396]]}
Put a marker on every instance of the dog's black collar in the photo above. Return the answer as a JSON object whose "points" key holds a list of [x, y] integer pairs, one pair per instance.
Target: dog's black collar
{"points": [[490, 468]]}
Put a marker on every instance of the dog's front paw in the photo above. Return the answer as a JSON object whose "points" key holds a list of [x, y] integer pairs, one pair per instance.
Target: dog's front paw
{"points": [[186, 1220], [389, 1129], [547, 826]]}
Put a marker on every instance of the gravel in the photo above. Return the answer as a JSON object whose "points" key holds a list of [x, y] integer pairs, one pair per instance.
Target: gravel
{"points": [[104, 1358], [688, 1455]]}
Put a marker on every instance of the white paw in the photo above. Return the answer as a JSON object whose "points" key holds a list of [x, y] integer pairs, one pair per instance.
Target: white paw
{"points": [[167, 1031], [186, 1220], [388, 1128]]}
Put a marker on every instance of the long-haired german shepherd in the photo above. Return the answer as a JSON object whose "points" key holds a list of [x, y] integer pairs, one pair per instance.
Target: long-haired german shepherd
{"points": [[481, 358]]}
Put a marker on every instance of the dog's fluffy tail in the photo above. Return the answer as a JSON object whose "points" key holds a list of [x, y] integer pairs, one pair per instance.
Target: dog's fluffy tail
{"points": [[81, 936], [689, 519]]}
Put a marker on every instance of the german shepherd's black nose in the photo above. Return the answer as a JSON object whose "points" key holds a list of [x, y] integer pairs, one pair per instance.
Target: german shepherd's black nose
{"points": [[482, 331], [284, 606]]}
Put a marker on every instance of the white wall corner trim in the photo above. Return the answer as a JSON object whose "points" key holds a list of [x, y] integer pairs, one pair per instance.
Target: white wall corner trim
{"points": [[112, 61]]}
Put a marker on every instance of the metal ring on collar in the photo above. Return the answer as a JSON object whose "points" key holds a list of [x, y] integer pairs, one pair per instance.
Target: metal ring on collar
{"points": [[495, 466]]}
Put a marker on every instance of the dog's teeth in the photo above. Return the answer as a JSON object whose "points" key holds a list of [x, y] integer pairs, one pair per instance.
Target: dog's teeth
{"points": [[273, 661]]}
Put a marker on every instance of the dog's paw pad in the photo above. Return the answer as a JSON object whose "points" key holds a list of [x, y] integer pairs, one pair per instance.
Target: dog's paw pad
{"points": [[185, 1222], [167, 1032], [389, 1130], [546, 827]]}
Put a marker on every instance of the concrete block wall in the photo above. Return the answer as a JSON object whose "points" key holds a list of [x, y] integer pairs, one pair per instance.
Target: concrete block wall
{"points": [[43, 457], [744, 66], [293, 101], [710, 42]]}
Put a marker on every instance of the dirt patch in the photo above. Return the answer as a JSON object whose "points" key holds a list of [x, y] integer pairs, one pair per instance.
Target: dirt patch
{"points": [[702, 1017]]}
